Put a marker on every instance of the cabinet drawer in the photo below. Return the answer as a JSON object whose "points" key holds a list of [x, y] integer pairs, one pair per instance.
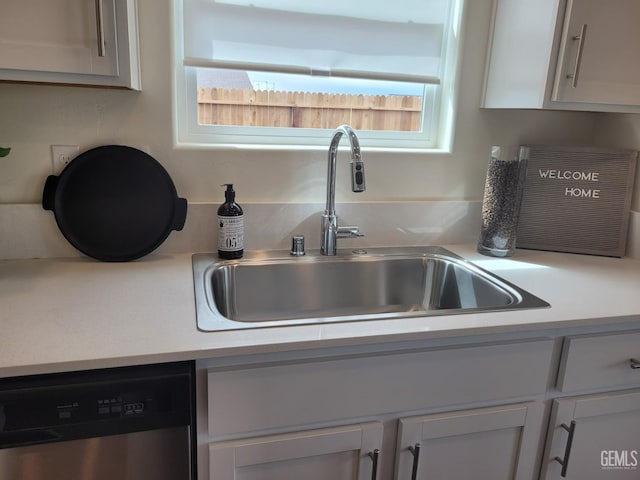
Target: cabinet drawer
{"points": [[599, 361], [284, 394]]}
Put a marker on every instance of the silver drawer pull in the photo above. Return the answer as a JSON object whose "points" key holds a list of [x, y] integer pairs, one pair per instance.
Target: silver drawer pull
{"points": [[100, 28], [576, 69], [634, 363]]}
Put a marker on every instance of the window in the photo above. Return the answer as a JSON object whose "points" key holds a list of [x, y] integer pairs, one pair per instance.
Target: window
{"points": [[284, 72]]}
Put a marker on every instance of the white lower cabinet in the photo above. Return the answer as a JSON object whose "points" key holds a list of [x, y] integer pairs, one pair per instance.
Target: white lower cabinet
{"points": [[498, 443], [342, 453], [467, 411], [354, 416], [486, 443], [594, 437]]}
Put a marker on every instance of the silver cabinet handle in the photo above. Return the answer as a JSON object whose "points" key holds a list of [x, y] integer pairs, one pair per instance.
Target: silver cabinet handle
{"points": [[567, 450], [634, 363], [374, 468], [576, 70], [415, 451], [100, 28]]}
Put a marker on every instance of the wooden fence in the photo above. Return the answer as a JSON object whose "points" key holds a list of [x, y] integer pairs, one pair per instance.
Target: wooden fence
{"points": [[220, 106]]}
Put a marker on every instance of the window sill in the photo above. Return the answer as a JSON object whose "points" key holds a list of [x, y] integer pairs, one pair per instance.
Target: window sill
{"points": [[305, 148]]}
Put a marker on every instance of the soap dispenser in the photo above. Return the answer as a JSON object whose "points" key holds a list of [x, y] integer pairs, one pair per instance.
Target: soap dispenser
{"points": [[230, 226]]}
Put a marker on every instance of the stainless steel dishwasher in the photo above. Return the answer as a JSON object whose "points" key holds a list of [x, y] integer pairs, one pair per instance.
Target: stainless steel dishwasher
{"points": [[122, 423]]}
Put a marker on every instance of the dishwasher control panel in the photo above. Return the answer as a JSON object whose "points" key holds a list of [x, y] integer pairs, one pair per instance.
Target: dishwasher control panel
{"points": [[119, 407], [109, 404], [58, 407]]}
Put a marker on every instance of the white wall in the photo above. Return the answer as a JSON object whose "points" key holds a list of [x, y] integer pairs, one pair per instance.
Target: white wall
{"points": [[33, 117], [622, 131]]}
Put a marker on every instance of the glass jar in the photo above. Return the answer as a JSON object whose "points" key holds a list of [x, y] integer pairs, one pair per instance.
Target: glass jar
{"points": [[501, 202]]}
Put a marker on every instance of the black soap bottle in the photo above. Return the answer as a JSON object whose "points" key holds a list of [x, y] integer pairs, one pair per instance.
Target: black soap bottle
{"points": [[230, 226]]}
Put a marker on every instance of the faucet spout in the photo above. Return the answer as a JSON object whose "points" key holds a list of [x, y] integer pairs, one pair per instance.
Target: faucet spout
{"points": [[330, 229]]}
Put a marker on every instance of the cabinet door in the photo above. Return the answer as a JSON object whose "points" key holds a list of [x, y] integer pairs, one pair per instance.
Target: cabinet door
{"points": [[342, 453], [75, 42], [489, 443], [605, 442], [599, 59], [64, 36]]}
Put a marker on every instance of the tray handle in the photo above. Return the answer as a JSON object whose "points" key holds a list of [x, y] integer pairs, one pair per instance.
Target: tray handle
{"points": [[49, 192], [179, 213]]}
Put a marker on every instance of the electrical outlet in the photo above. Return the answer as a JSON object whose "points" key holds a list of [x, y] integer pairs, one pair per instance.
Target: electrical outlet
{"points": [[61, 155]]}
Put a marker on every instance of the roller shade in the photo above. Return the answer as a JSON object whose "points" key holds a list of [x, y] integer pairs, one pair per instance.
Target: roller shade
{"points": [[369, 39]]}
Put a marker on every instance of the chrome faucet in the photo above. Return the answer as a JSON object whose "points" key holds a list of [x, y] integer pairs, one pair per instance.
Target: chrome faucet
{"points": [[330, 229]]}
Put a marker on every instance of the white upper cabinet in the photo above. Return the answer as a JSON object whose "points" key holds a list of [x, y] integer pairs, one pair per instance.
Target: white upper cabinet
{"points": [[599, 59], [82, 42], [565, 54]]}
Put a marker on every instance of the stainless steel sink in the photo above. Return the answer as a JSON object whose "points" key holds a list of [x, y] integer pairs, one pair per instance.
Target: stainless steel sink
{"points": [[267, 289]]}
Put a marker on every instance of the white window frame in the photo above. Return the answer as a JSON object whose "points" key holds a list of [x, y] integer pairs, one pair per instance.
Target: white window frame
{"points": [[188, 133]]}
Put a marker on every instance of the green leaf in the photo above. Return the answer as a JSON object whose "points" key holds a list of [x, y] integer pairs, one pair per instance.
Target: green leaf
{"points": [[4, 151]]}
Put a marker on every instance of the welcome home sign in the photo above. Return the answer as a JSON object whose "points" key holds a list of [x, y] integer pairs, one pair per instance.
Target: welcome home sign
{"points": [[577, 200]]}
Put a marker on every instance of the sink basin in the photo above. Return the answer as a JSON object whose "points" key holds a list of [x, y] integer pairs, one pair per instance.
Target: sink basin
{"points": [[267, 289]]}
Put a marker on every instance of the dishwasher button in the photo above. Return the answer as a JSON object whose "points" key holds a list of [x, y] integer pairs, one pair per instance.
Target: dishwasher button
{"points": [[133, 408]]}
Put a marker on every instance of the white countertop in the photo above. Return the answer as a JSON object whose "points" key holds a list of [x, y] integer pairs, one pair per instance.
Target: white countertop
{"points": [[76, 313]]}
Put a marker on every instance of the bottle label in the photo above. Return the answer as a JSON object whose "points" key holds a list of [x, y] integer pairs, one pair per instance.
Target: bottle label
{"points": [[231, 233]]}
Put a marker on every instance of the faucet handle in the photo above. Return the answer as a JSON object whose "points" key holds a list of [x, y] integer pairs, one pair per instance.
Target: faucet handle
{"points": [[349, 232]]}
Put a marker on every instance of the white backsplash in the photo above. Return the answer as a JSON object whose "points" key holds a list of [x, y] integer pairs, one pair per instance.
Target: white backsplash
{"points": [[28, 231]]}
